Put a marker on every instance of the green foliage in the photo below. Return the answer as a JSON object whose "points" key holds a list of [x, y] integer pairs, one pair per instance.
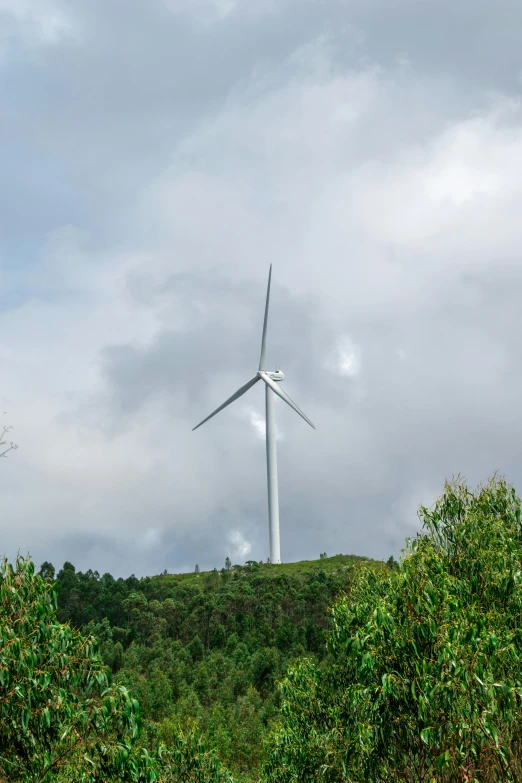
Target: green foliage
{"points": [[60, 717], [190, 754], [57, 707], [208, 650], [47, 572], [425, 681], [415, 676]]}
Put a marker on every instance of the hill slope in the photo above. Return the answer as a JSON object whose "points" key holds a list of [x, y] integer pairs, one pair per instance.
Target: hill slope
{"points": [[209, 647]]}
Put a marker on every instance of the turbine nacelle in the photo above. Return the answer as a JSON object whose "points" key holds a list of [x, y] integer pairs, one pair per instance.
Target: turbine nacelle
{"points": [[276, 375]]}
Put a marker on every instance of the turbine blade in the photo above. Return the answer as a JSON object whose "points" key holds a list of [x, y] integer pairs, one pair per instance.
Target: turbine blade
{"points": [[263, 341], [284, 396], [235, 396]]}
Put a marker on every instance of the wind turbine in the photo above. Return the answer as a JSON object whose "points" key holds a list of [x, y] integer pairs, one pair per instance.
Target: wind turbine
{"points": [[271, 379]]}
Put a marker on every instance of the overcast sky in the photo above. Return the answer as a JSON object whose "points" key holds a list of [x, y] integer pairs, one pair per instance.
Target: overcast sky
{"points": [[156, 156]]}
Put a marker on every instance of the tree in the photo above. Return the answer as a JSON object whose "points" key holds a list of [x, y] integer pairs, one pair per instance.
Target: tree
{"points": [[196, 570], [323, 555], [426, 667], [47, 571], [228, 564]]}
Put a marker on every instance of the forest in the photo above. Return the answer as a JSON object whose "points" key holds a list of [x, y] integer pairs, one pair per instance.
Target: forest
{"points": [[207, 647], [340, 669]]}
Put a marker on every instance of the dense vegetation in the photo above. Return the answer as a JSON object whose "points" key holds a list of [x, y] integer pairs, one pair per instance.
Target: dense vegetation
{"points": [[207, 647], [61, 719], [425, 683], [414, 675]]}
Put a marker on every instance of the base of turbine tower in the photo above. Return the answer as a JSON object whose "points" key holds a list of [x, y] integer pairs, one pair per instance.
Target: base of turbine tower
{"points": [[271, 471]]}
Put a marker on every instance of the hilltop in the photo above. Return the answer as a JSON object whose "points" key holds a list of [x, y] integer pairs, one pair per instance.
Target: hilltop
{"points": [[299, 568], [209, 647]]}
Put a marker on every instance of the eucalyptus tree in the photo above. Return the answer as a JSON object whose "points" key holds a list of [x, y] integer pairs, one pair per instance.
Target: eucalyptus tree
{"points": [[61, 718], [425, 681]]}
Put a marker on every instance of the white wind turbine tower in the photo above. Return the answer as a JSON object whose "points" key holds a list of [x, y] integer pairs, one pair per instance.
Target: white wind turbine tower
{"points": [[271, 379]]}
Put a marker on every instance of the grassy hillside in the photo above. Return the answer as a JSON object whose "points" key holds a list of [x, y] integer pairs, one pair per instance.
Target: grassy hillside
{"points": [[330, 565]]}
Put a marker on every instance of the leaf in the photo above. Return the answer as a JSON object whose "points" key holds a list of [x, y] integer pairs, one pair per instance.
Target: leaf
{"points": [[425, 735], [26, 714]]}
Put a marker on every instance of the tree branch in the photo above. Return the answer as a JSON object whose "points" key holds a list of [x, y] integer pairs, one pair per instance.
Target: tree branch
{"points": [[12, 446], [62, 755]]}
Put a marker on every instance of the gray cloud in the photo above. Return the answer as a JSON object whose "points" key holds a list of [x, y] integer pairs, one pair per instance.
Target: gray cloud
{"points": [[157, 158]]}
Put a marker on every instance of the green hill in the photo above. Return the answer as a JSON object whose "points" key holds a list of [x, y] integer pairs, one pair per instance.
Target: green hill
{"points": [[209, 646], [300, 567], [245, 674]]}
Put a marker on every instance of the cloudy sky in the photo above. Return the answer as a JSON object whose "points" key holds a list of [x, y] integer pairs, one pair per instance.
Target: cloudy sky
{"points": [[156, 156]]}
